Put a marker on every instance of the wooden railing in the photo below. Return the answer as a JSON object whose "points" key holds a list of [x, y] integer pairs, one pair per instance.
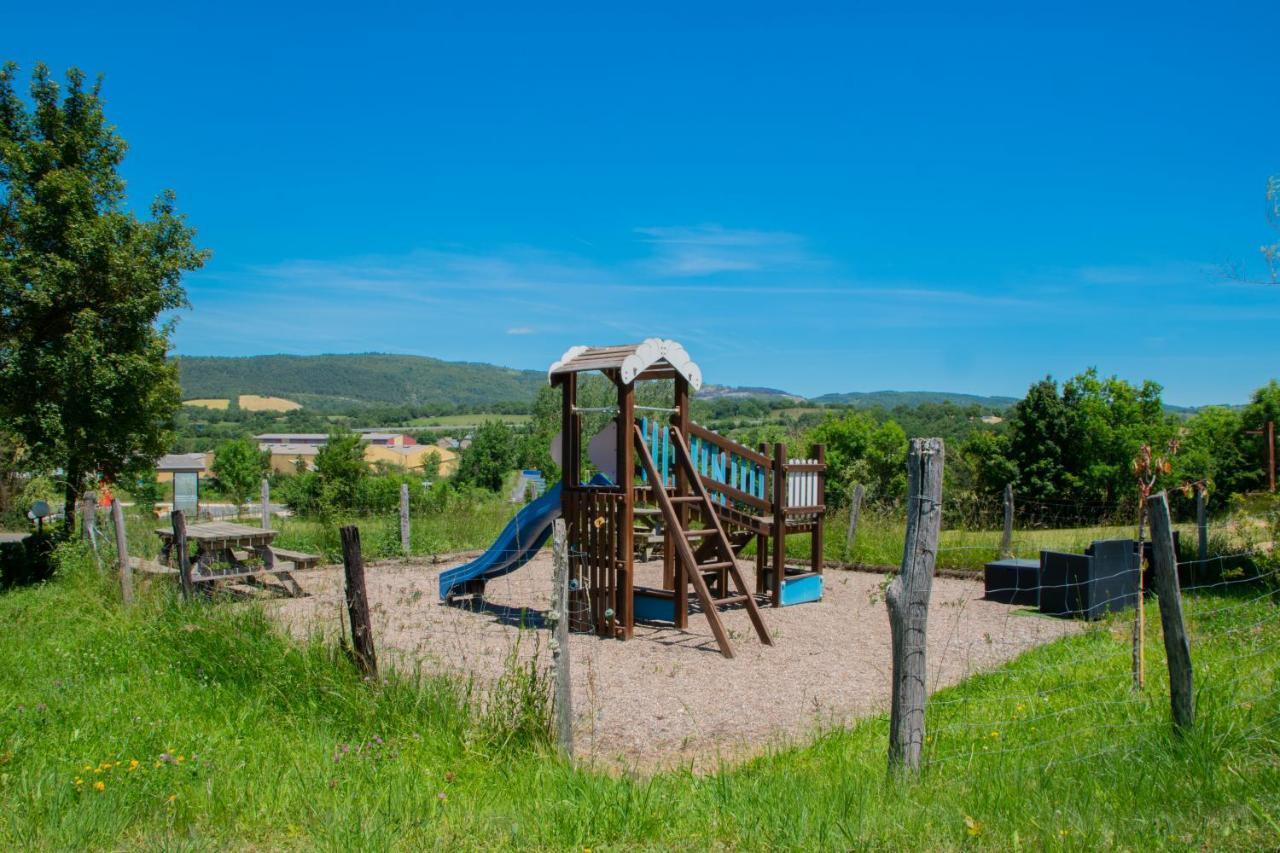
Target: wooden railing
{"points": [[735, 474]]}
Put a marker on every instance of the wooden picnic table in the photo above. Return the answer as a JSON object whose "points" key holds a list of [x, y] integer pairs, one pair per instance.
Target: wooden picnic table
{"points": [[216, 548]]}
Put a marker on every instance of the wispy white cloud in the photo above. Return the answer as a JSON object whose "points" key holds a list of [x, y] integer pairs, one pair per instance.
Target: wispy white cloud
{"points": [[700, 250], [520, 330]]}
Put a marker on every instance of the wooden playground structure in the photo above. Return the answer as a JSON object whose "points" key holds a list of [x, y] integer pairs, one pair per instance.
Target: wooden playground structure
{"points": [[714, 497]]}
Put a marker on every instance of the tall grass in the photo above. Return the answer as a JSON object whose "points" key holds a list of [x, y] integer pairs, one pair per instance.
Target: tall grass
{"points": [[245, 739]]}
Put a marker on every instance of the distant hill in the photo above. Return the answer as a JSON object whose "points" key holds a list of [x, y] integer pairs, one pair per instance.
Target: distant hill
{"points": [[332, 381], [893, 399], [718, 392]]}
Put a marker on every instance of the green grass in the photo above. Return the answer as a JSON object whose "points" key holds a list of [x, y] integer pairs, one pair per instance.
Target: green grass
{"points": [[239, 735]]}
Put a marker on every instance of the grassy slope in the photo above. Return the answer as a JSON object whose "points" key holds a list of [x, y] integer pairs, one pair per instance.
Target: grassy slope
{"points": [[257, 722], [360, 378]]}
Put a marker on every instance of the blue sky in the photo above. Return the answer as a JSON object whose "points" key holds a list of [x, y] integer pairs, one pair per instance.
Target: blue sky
{"points": [[818, 198]]}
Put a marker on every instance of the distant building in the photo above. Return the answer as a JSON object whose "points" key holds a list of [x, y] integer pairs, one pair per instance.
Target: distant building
{"points": [[992, 419], [185, 463], [292, 458], [318, 439]]}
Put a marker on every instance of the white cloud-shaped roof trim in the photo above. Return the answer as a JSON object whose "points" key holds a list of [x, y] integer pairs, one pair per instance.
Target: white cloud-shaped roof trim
{"points": [[631, 361]]}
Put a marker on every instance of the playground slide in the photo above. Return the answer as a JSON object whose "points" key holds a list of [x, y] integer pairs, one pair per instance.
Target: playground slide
{"points": [[515, 545]]}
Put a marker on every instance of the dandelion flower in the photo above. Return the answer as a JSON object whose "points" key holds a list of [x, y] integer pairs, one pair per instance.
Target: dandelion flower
{"points": [[99, 786], [973, 827], [133, 764], [171, 798]]}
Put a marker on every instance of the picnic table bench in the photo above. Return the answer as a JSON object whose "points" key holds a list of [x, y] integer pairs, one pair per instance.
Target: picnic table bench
{"points": [[221, 550]]}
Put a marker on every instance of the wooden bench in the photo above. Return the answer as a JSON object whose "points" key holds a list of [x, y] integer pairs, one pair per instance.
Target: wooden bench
{"points": [[300, 560]]}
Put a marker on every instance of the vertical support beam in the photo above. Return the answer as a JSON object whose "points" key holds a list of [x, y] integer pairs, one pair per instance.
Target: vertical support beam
{"points": [[1006, 538], [683, 488], [855, 509], [626, 434], [181, 558], [404, 519], [88, 516], [358, 602], [266, 503], [908, 601], [1202, 525], [779, 523], [559, 617], [816, 543], [1176, 646], [122, 553], [570, 464]]}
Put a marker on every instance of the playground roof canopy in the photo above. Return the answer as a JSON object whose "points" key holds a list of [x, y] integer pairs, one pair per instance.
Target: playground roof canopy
{"points": [[653, 358]]}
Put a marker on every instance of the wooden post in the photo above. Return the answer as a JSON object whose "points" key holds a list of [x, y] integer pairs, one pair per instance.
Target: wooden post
{"points": [[683, 489], [1006, 539], [266, 504], [404, 519], [122, 553], [817, 543], [1202, 526], [559, 618], [779, 523], [1271, 456], [1176, 647], [180, 556], [88, 516], [908, 601], [855, 509], [358, 602]]}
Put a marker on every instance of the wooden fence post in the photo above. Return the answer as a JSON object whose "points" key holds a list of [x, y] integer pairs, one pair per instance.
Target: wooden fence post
{"points": [[180, 556], [1177, 648], [266, 504], [358, 602], [1006, 539], [908, 601], [122, 553], [88, 515], [1202, 526], [855, 509], [405, 540], [559, 618]]}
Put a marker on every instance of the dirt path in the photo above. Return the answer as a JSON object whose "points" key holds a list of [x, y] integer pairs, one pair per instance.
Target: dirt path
{"points": [[667, 696]]}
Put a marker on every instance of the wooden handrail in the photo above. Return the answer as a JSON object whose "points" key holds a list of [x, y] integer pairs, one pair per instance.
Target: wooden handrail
{"points": [[728, 444]]}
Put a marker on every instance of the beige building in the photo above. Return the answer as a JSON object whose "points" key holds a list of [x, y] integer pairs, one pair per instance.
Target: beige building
{"points": [[292, 458]]}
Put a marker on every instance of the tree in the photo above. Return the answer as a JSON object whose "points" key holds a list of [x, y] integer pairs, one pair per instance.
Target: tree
{"points": [[490, 457], [1264, 405], [1039, 436], [84, 380], [238, 466], [340, 467]]}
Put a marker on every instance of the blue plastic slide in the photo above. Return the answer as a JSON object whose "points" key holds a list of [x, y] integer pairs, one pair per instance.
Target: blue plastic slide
{"points": [[515, 545]]}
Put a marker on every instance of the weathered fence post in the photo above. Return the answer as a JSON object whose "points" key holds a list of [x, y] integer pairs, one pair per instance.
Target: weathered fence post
{"points": [[180, 556], [908, 601], [266, 504], [855, 509], [1006, 539], [1202, 526], [405, 541], [559, 618], [88, 515], [358, 602], [1177, 649], [122, 553]]}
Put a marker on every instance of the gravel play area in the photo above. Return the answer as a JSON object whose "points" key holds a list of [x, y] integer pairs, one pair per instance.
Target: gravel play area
{"points": [[668, 697]]}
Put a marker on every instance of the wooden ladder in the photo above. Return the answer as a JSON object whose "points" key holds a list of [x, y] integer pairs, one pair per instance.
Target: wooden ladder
{"points": [[721, 551]]}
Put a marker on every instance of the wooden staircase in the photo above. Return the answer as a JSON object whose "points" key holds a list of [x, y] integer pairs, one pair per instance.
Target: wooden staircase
{"points": [[714, 545]]}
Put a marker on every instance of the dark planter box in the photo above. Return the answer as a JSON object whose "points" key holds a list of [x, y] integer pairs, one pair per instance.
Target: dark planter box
{"points": [[1012, 581], [1089, 586]]}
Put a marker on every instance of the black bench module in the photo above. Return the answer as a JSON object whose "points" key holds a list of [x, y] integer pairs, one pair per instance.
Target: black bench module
{"points": [[1012, 581]]}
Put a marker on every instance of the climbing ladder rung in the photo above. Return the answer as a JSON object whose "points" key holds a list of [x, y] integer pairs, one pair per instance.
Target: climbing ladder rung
{"points": [[731, 600], [685, 499], [700, 533], [714, 567]]}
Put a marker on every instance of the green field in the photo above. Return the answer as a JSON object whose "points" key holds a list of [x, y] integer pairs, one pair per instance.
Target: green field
{"points": [[202, 727]]}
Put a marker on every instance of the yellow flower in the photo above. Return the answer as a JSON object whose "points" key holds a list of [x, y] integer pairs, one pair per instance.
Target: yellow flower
{"points": [[79, 781], [973, 827], [99, 786], [171, 798], [995, 734], [133, 764]]}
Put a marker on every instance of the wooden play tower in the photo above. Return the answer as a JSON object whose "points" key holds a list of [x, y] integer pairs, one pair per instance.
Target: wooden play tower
{"points": [[714, 497]]}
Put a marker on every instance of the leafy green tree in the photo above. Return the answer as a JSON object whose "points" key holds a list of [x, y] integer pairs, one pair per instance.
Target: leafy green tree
{"points": [[887, 461], [84, 379], [1264, 405], [238, 467], [1110, 421], [340, 469], [490, 457], [1212, 451], [146, 490], [1040, 436]]}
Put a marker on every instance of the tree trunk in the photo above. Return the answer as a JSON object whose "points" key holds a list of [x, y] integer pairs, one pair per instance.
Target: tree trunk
{"points": [[908, 601]]}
